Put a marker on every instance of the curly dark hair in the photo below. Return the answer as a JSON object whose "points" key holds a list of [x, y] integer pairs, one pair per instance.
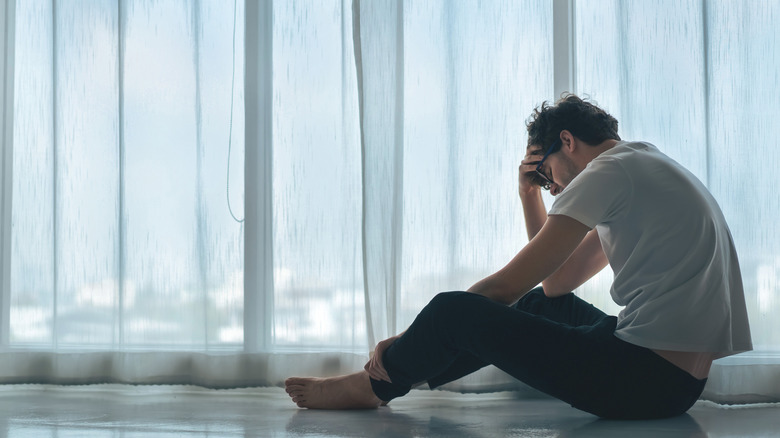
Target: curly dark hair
{"points": [[583, 119]]}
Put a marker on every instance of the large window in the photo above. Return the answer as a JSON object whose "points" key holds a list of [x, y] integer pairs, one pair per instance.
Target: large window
{"points": [[121, 234], [391, 135]]}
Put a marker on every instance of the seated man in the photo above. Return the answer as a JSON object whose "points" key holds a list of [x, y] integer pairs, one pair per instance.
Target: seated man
{"points": [[617, 202]]}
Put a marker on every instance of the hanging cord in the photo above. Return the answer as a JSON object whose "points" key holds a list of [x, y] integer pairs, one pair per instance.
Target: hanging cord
{"points": [[230, 132]]}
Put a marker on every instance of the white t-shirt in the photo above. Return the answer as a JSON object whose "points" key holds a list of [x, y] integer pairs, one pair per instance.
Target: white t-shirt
{"points": [[676, 269]]}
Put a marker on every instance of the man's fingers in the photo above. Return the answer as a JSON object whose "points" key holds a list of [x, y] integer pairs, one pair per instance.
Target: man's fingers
{"points": [[382, 376], [379, 369], [529, 165], [378, 375], [375, 367], [376, 371], [372, 371]]}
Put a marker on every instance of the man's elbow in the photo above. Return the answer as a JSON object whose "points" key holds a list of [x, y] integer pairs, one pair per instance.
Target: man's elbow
{"points": [[552, 290], [495, 288], [499, 296]]}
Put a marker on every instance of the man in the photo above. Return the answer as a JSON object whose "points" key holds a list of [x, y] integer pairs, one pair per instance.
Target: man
{"points": [[617, 202]]}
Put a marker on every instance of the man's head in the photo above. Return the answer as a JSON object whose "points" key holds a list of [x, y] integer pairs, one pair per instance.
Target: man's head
{"points": [[556, 132]]}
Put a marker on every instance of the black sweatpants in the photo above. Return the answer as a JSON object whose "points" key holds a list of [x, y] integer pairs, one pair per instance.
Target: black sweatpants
{"points": [[562, 346]]}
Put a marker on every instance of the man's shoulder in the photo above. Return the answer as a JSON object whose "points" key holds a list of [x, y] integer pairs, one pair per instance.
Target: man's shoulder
{"points": [[624, 149], [631, 156]]}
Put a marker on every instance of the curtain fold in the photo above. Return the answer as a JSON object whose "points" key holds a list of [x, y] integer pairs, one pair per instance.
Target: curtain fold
{"points": [[7, 49], [379, 59], [391, 173], [747, 378], [216, 370], [258, 175]]}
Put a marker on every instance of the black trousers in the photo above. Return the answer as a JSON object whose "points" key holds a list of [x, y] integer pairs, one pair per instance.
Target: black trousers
{"points": [[562, 346]]}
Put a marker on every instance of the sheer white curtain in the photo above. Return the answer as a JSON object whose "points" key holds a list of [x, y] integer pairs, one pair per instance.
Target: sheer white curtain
{"points": [[120, 235], [381, 168], [446, 87]]}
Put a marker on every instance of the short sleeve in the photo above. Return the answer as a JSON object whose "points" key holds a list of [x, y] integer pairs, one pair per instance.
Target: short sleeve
{"points": [[599, 194]]}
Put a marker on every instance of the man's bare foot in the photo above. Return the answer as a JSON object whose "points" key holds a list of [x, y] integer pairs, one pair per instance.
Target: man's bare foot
{"points": [[352, 391]]}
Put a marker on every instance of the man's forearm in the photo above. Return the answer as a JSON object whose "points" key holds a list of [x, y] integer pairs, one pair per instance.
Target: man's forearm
{"points": [[490, 288], [534, 212]]}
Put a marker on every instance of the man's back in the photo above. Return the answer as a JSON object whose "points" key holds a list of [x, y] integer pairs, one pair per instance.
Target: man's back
{"points": [[676, 270]]}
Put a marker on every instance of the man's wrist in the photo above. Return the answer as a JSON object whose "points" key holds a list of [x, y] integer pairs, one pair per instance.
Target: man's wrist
{"points": [[531, 194]]}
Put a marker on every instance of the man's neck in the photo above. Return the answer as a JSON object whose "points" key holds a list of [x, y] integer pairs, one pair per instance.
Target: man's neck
{"points": [[586, 153], [590, 152], [603, 147]]}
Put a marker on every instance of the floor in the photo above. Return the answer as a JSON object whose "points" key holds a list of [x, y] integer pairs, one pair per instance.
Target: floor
{"points": [[154, 411]]}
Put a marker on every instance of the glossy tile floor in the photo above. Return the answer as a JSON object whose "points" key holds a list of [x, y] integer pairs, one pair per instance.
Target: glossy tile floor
{"points": [[149, 411]]}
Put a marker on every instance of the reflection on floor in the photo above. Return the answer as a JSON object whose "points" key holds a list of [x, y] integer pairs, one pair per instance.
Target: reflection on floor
{"points": [[149, 411]]}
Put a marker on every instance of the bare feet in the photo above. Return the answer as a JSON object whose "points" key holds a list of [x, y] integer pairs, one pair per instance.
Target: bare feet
{"points": [[352, 391]]}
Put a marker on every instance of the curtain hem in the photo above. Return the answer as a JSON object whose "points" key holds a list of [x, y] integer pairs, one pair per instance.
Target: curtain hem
{"points": [[741, 380]]}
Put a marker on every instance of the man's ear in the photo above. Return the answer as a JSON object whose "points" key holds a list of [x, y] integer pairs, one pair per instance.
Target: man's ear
{"points": [[568, 140]]}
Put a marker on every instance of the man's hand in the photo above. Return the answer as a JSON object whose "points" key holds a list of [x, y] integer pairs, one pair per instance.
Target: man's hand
{"points": [[374, 366], [527, 170]]}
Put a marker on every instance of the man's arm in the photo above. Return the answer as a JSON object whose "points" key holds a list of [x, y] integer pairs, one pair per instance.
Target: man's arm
{"points": [[586, 261], [543, 255], [534, 212]]}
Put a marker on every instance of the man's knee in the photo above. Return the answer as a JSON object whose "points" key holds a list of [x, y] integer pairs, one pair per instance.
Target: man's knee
{"points": [[445, 299], [534, 294], [452, 301], [448, 312], [532, 299]]}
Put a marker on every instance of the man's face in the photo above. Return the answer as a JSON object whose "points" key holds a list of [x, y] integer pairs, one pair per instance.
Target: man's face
{"points": [[558, 167]]}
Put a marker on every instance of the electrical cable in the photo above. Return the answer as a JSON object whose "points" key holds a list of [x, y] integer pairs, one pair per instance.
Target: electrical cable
{"points": [[230, 132]]}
